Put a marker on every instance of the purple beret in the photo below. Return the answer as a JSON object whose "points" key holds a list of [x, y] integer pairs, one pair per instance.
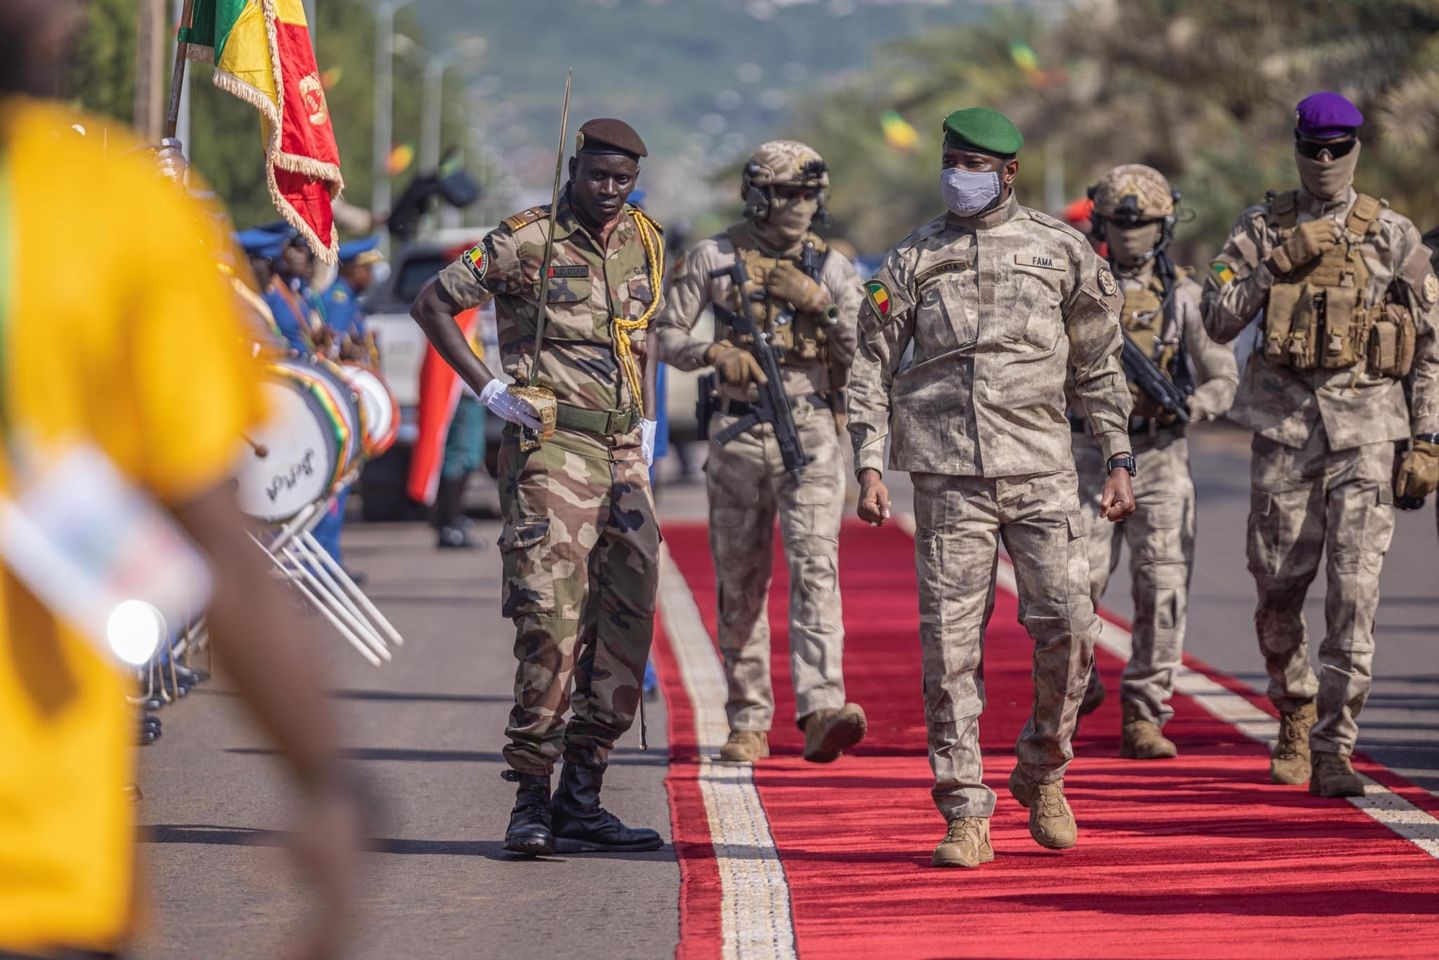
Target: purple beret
{"points": [[1326, 116]]}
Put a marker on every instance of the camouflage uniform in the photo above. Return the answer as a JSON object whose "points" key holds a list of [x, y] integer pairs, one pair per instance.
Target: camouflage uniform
{"points": [[998, 308], [580, 543], [748, 483], [1323, 455], [1160, 532]]}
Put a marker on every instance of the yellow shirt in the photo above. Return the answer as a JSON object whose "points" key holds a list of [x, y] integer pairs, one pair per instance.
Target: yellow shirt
{"points": [[118, 331]]}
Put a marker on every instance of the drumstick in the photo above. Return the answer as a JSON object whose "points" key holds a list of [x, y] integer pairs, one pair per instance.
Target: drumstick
{"points": [[260, 449]]}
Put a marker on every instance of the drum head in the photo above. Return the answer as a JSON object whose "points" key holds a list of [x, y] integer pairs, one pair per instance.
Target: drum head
{"points": [[378, 408], [339, 401], [301, 452]]}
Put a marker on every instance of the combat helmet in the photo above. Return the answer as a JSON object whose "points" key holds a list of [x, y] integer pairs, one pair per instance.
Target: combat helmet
{"points": [[1132, 193], [778, 162]]}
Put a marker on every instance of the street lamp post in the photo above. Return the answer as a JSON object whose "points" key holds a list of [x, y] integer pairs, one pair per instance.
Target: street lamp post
{"points": [[435, 69], [384, 101]]}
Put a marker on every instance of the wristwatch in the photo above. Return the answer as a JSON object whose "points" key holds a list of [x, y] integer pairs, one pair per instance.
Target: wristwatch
{"points": [[1121, 460], [1428, 438]]}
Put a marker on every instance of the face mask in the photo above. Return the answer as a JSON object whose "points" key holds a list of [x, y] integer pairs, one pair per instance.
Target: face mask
{"points": [[787, 221], [1326, 181], [1131, 246], [966, 192]]}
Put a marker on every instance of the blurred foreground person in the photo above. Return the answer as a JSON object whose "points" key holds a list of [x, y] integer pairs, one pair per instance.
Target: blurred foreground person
{"points": [[804, 299], [580, 545], [1177, 375], [141, 365], [1347, 364]]}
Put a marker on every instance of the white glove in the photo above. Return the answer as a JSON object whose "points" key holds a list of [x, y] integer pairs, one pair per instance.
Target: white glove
{"points": [[498, 400], [647, 443]]}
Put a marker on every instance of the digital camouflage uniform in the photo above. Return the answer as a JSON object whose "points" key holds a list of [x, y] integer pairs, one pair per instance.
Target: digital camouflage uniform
{"points": [[748, 484], [1323, 449], [998, 309], [1160, 532], [580, 543]]}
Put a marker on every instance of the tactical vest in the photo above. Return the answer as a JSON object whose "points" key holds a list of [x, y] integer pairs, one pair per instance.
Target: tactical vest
{"points": [[1316, 316], [1143, 319], [797, 337]]}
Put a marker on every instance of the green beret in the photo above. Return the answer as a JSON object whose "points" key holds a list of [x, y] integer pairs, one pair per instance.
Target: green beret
{"points": [[983, 129]]}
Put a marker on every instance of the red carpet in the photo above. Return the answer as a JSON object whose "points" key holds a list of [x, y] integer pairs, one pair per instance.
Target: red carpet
{"points": [[1197, 857]]}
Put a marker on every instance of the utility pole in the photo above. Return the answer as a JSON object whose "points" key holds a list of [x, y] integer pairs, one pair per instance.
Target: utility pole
{"points": [[384, 101]]}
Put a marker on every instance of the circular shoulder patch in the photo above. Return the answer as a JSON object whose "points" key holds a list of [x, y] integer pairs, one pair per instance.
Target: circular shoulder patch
{"points": [[1431, 289], [879, 298], [1107, 286], [477, 258]]}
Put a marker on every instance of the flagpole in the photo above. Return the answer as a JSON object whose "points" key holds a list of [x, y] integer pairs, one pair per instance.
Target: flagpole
{"points": [[177, 78]]}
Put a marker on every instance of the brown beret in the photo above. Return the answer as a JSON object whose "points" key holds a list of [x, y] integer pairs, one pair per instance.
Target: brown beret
{"points": [[608, 135]]}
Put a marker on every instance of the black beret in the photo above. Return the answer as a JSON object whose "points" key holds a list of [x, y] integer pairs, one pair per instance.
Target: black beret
{"points": [[608, 135]]}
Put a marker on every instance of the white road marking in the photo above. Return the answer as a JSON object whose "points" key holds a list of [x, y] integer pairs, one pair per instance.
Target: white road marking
{"points": [[755, 904]]}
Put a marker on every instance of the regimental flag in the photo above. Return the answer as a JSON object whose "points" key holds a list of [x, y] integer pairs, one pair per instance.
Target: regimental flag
{"points": [[262, 54]]}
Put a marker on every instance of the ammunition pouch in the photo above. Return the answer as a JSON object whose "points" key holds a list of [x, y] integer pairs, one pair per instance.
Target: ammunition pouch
{"points": [[1391, 342]]}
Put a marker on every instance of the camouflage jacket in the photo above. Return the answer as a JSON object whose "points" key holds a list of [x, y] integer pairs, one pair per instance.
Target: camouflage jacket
{"points": [[998, 310], [589, 286], [1285, 405], [691, 289], [1216, 374]]}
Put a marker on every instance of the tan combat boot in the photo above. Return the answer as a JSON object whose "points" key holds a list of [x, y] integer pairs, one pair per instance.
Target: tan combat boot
{"points": [[1289, 762], [965, 844], [1142, 739], [828, 733], [1334, 776], [1051, 822], [745, 746]]}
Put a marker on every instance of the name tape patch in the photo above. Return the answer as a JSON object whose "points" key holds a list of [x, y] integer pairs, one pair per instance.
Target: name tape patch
{"points": [[569, 271], [1043, 263]]}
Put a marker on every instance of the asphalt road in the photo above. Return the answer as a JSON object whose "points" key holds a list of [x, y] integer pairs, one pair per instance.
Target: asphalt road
{"points": [[428, 728]]}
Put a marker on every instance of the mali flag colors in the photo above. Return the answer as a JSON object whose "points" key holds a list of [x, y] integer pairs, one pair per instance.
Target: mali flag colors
{"points": [[262, 54]]}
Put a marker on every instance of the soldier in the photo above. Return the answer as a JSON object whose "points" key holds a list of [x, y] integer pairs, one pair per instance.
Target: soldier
{"points": [[999, 303], [807, 298], [1134, 216], [1348, 298], [580, 543]]}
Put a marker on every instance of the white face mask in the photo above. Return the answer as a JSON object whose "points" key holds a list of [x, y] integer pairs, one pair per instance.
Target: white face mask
{"points": [[966, 192]]}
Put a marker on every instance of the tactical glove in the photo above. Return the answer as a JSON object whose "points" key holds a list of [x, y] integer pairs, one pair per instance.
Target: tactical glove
{"points": [[1418, 473], [735, 365], [789, 283], [1311, 241]]}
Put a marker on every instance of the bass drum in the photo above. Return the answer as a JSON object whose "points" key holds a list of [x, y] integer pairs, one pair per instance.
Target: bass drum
{"points": [[379, 410], [328, 379], [301, 449]]}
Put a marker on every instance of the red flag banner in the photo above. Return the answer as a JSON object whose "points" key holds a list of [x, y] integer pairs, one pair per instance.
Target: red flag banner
{"points": [[262, 54]]}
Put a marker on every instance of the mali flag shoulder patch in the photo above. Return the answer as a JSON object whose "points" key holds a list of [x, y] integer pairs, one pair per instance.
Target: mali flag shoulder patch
{"points": [[879, 297], [1222, 271], [477, 258]]}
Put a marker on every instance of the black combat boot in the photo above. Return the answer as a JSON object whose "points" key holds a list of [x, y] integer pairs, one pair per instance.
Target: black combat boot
{"points": [[448, 518], [529, 831], [581, 824]]}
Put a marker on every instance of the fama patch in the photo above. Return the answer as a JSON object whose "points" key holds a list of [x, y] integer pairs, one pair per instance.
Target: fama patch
{"points": [[1042, 262]]}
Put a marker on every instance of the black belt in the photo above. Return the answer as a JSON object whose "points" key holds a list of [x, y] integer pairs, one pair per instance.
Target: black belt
{"points": [[743, 408], [1138, 426]]}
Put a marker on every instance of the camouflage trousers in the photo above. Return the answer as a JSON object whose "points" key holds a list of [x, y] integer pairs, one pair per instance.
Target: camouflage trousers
{"points": [[1160, 534], [1304, 503], [748, 486], [960, 522], [580, 549]]}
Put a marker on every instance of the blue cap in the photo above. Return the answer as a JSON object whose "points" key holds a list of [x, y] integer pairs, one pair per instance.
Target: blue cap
{"points": [[352, 250], [637, 198], [1327, 116], [259, 242]]}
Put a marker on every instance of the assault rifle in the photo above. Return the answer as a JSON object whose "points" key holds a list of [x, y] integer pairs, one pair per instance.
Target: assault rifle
{"points": [[1144, 373], [773, 405]]}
